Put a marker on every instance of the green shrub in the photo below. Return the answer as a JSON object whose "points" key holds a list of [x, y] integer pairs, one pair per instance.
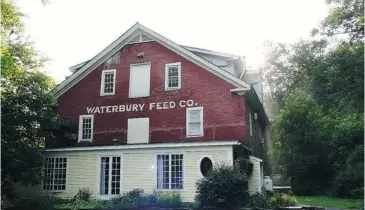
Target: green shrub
{"points": [[76, 204], [224, 187], [168, 199], [132, 196], [282, 200], [258, 200], [83, 194], [35, 202], [349, 180]]}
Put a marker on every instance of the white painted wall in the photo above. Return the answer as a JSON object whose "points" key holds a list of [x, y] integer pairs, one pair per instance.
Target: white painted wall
{"points": [[256, 179], [138, 169]]}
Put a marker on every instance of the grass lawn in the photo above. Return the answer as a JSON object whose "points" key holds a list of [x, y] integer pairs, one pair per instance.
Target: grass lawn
{"points": [[321, 200]]}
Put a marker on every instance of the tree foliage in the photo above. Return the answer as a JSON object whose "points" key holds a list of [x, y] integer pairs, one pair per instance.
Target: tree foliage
{"points": [[319, 85], [26, 103]]}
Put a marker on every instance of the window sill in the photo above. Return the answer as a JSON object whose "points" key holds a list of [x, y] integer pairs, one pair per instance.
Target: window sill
{"points": [[55, 191], [172, 89], [194, 136], [108, 197], [85, 140], [172, 190], [107, 94]]}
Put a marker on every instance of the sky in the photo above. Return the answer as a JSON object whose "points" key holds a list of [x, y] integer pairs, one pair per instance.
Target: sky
{"points": [[71, 31]]}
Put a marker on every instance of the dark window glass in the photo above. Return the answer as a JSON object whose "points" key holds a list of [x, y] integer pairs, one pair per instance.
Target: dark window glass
{"points": [[206, 165]]}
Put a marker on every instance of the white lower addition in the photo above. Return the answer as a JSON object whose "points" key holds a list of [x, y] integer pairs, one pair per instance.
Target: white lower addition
{"points": [[138, 169], [255, 182]]}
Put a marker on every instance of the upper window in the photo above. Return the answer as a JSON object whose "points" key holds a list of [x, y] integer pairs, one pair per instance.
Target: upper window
{"points": [[173, 76], [139, 80], [194, 121], [110, 176], [86, 125], [55, 174], [170, 172], [107, 82], [138, 130]]}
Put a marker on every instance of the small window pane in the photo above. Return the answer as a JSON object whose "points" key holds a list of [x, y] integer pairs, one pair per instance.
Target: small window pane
{"points": [[167, 179], [55, 174], [110, 175], [108, 82]]}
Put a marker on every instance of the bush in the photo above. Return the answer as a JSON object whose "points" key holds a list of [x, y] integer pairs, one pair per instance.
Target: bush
{"points": [[35, 202], [259, 201], [169, 199], [224, 187], [137, 198], [282, 200], [83, 194], [76, 204], [134, 194], [349, 180]]}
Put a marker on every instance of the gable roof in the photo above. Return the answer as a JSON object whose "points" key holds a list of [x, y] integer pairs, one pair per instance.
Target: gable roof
{"points": [[88, 66], [210, 52]]}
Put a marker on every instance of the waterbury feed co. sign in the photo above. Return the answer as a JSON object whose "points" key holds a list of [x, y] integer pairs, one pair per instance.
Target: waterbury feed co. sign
{"points": [[139, 107]]}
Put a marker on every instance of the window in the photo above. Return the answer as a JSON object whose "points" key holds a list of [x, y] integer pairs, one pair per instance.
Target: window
{"points": [[139, 81], [55, 174], [261, 135], [173, 76], [194, 122], [170, 172], [86, 124], [138, 130], [206, 166], [107, 82], [110, 176], [250, 121]]}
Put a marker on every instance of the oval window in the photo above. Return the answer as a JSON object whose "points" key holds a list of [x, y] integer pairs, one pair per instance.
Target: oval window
{"points": [[206, 165]]}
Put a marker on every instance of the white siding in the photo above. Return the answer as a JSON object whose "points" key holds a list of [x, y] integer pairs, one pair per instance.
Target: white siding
{"points": [[255, 181], [138, 169]]}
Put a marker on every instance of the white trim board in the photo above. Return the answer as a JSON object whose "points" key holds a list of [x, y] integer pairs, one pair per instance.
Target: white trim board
{"points": [[146, 146], [124, 39], [255, 158]]}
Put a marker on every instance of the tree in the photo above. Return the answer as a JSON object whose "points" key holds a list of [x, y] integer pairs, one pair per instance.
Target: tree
{"points": [[26, 100], [301, 147], [329, 73]]}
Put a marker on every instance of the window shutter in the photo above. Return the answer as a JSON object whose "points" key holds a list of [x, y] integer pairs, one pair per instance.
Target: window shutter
{"points": [[139, 81], [138, 130]]}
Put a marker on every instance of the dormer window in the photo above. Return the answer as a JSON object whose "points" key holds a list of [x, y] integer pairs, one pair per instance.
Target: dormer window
{"points": [[107, 82], [173, 76]]}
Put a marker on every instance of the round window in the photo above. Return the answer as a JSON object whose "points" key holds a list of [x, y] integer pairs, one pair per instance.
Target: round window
{"points": [[206, 165]]}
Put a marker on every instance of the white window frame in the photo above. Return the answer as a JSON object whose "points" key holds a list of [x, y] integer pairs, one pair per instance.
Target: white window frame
{"points": [[188, 119], [66, 181], [81, 117], [170, 160], [109, 195], [102, 83], [167, 88]]}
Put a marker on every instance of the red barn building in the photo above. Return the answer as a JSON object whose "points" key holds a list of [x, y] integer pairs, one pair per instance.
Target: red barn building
{"points": [[155, 115]]}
